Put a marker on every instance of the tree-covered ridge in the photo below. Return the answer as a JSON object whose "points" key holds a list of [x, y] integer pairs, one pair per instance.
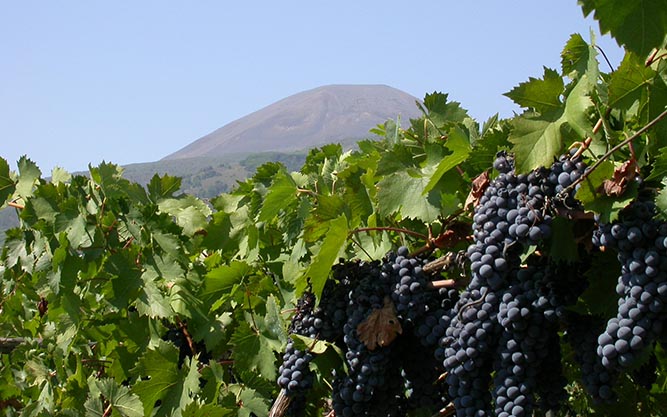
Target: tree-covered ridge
{"points": [[120, 299]]}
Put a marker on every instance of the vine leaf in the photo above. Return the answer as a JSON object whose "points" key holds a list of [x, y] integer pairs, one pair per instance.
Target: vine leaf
{"points": [[198, 409], [640, 26], [538, 138], [628, 82], [162, 380], [251, 403], [320, 266], [659, 169], [222, 283], [254, 348], [543, 95], [381, 327], [600, 297], [281, 195], [564, 245], [314, 346], [403, 192], [122, 401], [161, 187], [29, 176], [439, 111], [7, 185], [151, 300], [458, 143], [577, 57], [189, 212]]}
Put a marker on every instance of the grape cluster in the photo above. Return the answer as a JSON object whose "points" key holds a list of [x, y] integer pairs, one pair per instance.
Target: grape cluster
{"points": [[295, 376], [507, 315], [354, 392], [385, 380], [494, 348], [641, 242], [409, 294]]}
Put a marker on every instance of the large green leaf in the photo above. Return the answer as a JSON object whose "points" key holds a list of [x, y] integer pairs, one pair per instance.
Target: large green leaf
{"points": [[628, 82], [320, 266], [538, 138], [152, 300], [246, 402], [118, 397], [221, 283], [639, 25], [459, 144], [162, 380], [594, 200], [280, 196], [29, 176], [190, 212], [542, 95], [161, 187], [440, 111], [403, 192], [255, 348], [659, 169], [661, 200], [577, 57]]}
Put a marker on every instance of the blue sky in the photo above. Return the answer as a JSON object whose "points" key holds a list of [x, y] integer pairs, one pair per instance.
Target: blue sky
{"points": [[133, 81]]}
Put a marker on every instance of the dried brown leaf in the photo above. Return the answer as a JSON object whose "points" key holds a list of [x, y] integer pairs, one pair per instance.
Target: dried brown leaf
{"points": [[42, 306], [381, 327], [479, 184], [456, 232], [623, 175]]}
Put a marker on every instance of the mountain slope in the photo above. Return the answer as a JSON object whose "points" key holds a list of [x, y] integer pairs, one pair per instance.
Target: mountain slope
{"points": [[334, 113]]}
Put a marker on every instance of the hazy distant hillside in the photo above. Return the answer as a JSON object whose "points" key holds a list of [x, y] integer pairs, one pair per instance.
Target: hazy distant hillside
{"points": [[282, 132], [335, 113], [208, 177]]}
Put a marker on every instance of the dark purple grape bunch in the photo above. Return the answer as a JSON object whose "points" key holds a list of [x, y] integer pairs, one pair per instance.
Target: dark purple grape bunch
{"points": [[640, 241], [563, 173], [295, 376], [410, 293]]}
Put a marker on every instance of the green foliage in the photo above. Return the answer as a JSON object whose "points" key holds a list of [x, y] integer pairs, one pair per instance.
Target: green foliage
{"points": [[102, 271], [639, 26]]}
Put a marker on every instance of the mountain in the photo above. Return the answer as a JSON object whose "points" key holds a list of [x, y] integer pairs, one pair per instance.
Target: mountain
{"points": [[281, 132], [333, 113]]}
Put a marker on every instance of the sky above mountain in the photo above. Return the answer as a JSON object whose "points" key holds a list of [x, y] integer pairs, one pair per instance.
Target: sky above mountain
{"points": [[126, 81]]}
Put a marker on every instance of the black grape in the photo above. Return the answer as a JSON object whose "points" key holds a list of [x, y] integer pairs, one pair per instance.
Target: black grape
{"points": [[639, 240], [508, 314]]}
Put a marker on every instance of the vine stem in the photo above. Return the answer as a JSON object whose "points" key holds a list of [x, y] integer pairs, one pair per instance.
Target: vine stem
{"points": [[604, 157], [16, 205], [108, 410], [184, 329], [444, 283]]}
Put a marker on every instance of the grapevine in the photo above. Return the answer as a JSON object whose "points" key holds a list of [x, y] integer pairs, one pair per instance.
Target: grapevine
{"points": [[513, 267]]}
